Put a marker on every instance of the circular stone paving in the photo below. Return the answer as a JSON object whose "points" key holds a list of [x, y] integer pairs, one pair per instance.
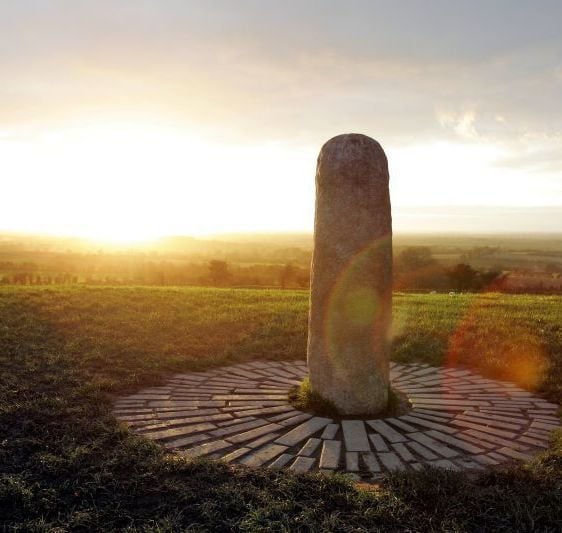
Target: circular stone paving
{"points": [[241, 414]]}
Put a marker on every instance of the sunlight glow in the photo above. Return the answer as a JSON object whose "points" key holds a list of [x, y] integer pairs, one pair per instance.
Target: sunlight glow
{"points": [[128, 182]]}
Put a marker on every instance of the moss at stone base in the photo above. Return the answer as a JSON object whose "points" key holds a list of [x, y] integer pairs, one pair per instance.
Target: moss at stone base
{"points": [[304, 398]]}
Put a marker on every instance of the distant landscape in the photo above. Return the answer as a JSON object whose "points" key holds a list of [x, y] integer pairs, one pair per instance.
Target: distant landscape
{"points": [[527, 263]]}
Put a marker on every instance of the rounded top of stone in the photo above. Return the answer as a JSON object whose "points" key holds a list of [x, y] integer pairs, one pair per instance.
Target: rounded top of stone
{"points": [[352, 146]]}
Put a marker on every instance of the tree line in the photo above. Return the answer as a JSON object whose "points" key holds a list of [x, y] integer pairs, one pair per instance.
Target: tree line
{"points": [[415, 269]]}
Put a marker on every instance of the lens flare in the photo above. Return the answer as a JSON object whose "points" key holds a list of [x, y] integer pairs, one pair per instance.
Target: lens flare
{"points": [[354, 304]]}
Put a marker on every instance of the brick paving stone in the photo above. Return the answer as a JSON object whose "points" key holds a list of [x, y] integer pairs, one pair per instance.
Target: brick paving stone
{"points": [[386, 431], [236, 421], [282, 373], [370, 462], [137, 418], [474, 440], [352, 461], [310, 447], [294, 420], [256, 403], [186, 403], [496, 440], [207, 448], [179, 432], [485, 429], [433, 445], [283, 460], [149, 397], [378, 443], [391, 461], [423, 372], [238, 428], [277, 390], [533, 442], [552, 419], [355, 436], [546, 405], [251, 397], [400, 424], [460, 373], [330, 455], [461, 403], [190, 377], [240, 411], [330, 431], [254, 433], [466, 463], [543, 425], [550, 412], [438, 414], [236, 454], [456, 442], [488, 422], [428, 424], [539, 436], [263, 455], [489, 416], [195, 419], [264, 439], [304, 431], [433, 396], [423, 389], [403, 452], [264, 410], [485, 460], [302, 464], [250, 374], [421, 450], [446, 408], [185, 441], [431, 418], [514, 454], [285, 415]]}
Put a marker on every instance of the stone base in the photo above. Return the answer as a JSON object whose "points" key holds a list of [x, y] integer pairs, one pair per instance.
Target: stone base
{"points": [[241, 414]]}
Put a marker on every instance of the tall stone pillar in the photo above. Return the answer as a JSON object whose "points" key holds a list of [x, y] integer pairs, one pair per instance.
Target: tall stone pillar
{"points": [[351, 283]]}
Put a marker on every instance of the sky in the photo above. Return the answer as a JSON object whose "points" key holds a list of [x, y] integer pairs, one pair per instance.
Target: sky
{"points": [[134, 119]]}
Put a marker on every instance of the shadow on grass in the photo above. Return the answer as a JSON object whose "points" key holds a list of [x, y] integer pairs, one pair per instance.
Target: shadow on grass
{"points": [[65, 462]]}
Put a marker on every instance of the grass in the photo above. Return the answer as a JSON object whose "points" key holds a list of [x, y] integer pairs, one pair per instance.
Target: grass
{"points": [[304, 398], [65, 463]]}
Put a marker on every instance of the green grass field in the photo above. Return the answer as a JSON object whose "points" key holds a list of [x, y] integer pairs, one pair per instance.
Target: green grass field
{"points": [[65, 463]]}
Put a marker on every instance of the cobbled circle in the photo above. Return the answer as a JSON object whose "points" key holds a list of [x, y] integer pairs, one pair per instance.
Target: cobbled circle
{"points": [[458, 420]]}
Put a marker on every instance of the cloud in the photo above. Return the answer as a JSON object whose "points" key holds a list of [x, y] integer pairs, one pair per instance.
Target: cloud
{"points": [[296, 71]]}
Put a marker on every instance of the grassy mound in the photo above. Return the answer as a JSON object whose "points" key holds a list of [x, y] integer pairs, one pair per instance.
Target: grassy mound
{"points": [[65, 463]]}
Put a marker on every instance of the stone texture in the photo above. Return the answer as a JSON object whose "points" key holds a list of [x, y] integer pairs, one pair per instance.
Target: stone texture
{"points": [[355, 436], [467, 436], [350, 311], [330, 456]]}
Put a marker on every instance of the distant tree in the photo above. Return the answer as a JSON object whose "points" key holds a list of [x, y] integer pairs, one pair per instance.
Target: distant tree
{"points": [[219, 273], [488, 278], [462, 277], [286, 275], [414, 258]]}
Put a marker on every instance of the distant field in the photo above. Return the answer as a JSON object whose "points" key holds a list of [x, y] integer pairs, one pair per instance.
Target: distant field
{"points": [[184, 260], [64, 462]]}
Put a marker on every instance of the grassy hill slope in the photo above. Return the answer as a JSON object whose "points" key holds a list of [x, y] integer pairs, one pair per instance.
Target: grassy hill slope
{"points": [[65, 462]]}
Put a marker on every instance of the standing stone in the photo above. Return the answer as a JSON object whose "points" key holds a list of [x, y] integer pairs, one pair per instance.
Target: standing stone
{"points": [[351, 283]]}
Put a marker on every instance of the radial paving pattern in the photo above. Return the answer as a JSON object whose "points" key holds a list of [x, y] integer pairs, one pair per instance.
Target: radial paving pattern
{"points": [[458, 420]]}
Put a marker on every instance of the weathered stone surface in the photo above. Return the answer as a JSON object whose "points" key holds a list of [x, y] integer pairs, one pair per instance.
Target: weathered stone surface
{"points": [[451, 436], [350, 309]]}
